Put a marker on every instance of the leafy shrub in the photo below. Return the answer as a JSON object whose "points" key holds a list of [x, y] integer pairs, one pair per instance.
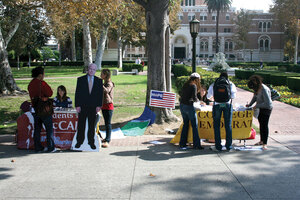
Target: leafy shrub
{"points": [[181, 70], [281, 78], [127, 67], [265, 76], [293, 83], [243, 74], [218, 68]]}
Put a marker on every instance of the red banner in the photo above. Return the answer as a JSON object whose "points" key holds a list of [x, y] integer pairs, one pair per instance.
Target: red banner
{"points": [[64, 129]]}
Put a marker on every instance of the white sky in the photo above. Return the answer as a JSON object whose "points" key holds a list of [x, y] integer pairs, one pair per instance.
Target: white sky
{"points": [[252, 4]]}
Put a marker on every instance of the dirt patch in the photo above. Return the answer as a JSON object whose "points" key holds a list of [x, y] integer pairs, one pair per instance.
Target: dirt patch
{"points": [[163, 129]]}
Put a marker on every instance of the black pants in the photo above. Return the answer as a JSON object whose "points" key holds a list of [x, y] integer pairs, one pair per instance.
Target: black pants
{"points": [[90, 113], [263, 119], [107, 115]]}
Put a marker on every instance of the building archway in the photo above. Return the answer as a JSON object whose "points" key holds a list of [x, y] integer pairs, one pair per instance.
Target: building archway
{"points": [[180, 50]]}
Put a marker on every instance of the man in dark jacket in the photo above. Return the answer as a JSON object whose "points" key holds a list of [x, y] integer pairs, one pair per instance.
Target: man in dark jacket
{"points": [[88, 101]]}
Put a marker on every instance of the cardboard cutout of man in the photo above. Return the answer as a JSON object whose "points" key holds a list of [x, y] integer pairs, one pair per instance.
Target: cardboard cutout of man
{"points": [[88, 101]]}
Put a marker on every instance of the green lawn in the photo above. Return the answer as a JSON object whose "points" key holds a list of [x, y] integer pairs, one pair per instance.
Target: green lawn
{"points": [[129, 98]]}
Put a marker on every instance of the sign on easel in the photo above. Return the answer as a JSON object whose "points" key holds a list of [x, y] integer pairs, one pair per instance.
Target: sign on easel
{"points": [[162, 99]]}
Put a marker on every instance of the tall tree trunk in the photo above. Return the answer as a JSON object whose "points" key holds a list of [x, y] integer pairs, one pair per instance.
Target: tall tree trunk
{"points": [[168, 65], [120, 52], [73, 45], [87, 47], [296, 42], [59, 51], [29, 59], [101, 45], [7, 81], [157, 22], [18, 60], [217, 31]]}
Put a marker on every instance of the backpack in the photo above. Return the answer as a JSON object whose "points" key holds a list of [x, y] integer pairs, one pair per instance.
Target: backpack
{"points": [[222, 90]]}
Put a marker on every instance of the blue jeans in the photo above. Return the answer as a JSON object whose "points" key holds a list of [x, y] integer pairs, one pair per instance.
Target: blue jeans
{"points": [[188, 114], [47, 121], [107, 115], [227, 110]]}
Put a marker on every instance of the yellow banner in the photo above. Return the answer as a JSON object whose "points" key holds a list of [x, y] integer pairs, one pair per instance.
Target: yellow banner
{"points": [[241, 126]]}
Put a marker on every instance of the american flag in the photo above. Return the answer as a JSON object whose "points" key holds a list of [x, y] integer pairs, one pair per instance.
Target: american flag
{"points": [[162, 99]]}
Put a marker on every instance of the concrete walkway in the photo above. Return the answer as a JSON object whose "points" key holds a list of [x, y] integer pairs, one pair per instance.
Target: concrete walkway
{"points": [[134, 168]]}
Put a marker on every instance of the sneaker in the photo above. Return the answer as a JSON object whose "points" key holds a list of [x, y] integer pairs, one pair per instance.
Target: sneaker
{"points": [[53, 151], [183, 147], [105, 145], [45, 149], [213, 148]]}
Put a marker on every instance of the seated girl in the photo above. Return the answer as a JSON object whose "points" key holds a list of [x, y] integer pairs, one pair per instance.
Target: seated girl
{"points": [[62, 100], [202, 96]]}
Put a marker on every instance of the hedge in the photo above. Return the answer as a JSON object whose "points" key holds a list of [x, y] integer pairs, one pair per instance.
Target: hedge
{"points": [[266, 76], [243, 65], [281, 78], [181, 70], [127, 67], [289, 67], [243, 74], [207, 78], [293, 83]]}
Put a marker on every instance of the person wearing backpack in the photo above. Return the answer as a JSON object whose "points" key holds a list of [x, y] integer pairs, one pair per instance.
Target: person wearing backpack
{"points": [[262, 97], [188, 95], [223, 92]]}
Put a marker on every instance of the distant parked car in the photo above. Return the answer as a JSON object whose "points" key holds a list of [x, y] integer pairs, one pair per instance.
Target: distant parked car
{"points": [[51, 59]]}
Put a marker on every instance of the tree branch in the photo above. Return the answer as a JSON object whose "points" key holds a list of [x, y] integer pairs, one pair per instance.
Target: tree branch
{"points": [[12, 31], [141, 2]]}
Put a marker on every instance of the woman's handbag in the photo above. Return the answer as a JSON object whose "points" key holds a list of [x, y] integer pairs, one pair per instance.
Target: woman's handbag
{"points": [[43, 106]]}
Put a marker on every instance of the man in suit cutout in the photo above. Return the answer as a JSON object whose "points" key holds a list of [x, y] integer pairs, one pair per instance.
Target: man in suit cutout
{"points": [[88, 101]]}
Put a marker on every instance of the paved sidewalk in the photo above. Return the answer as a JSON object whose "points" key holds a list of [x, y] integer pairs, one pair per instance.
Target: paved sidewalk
{"points": [[147, 171], [135, 168], [284, 126]]}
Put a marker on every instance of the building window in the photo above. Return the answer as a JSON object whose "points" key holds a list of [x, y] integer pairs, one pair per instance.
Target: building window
{"points": [[180, 17], [264, 43], [203, 17], [203, 45], [214, 45], [182, 3], [228, 45], [189, 2], [264, 26], [227, 18], [227, 30], [203, 30], [191, 17], [214, 18]]}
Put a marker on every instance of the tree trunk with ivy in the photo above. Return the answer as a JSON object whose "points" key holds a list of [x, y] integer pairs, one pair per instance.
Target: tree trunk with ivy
{"points": [[159, 71]]}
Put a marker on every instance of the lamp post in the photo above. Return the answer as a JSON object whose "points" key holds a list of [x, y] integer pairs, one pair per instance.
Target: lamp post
{"points": [[251, 52], [194, 29]]}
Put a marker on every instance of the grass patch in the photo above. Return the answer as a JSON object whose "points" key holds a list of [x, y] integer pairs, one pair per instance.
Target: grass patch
{"points": [[129, 98]]}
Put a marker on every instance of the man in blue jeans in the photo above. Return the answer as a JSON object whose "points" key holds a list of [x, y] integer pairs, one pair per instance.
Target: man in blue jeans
{"points": [[223, 92]]}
